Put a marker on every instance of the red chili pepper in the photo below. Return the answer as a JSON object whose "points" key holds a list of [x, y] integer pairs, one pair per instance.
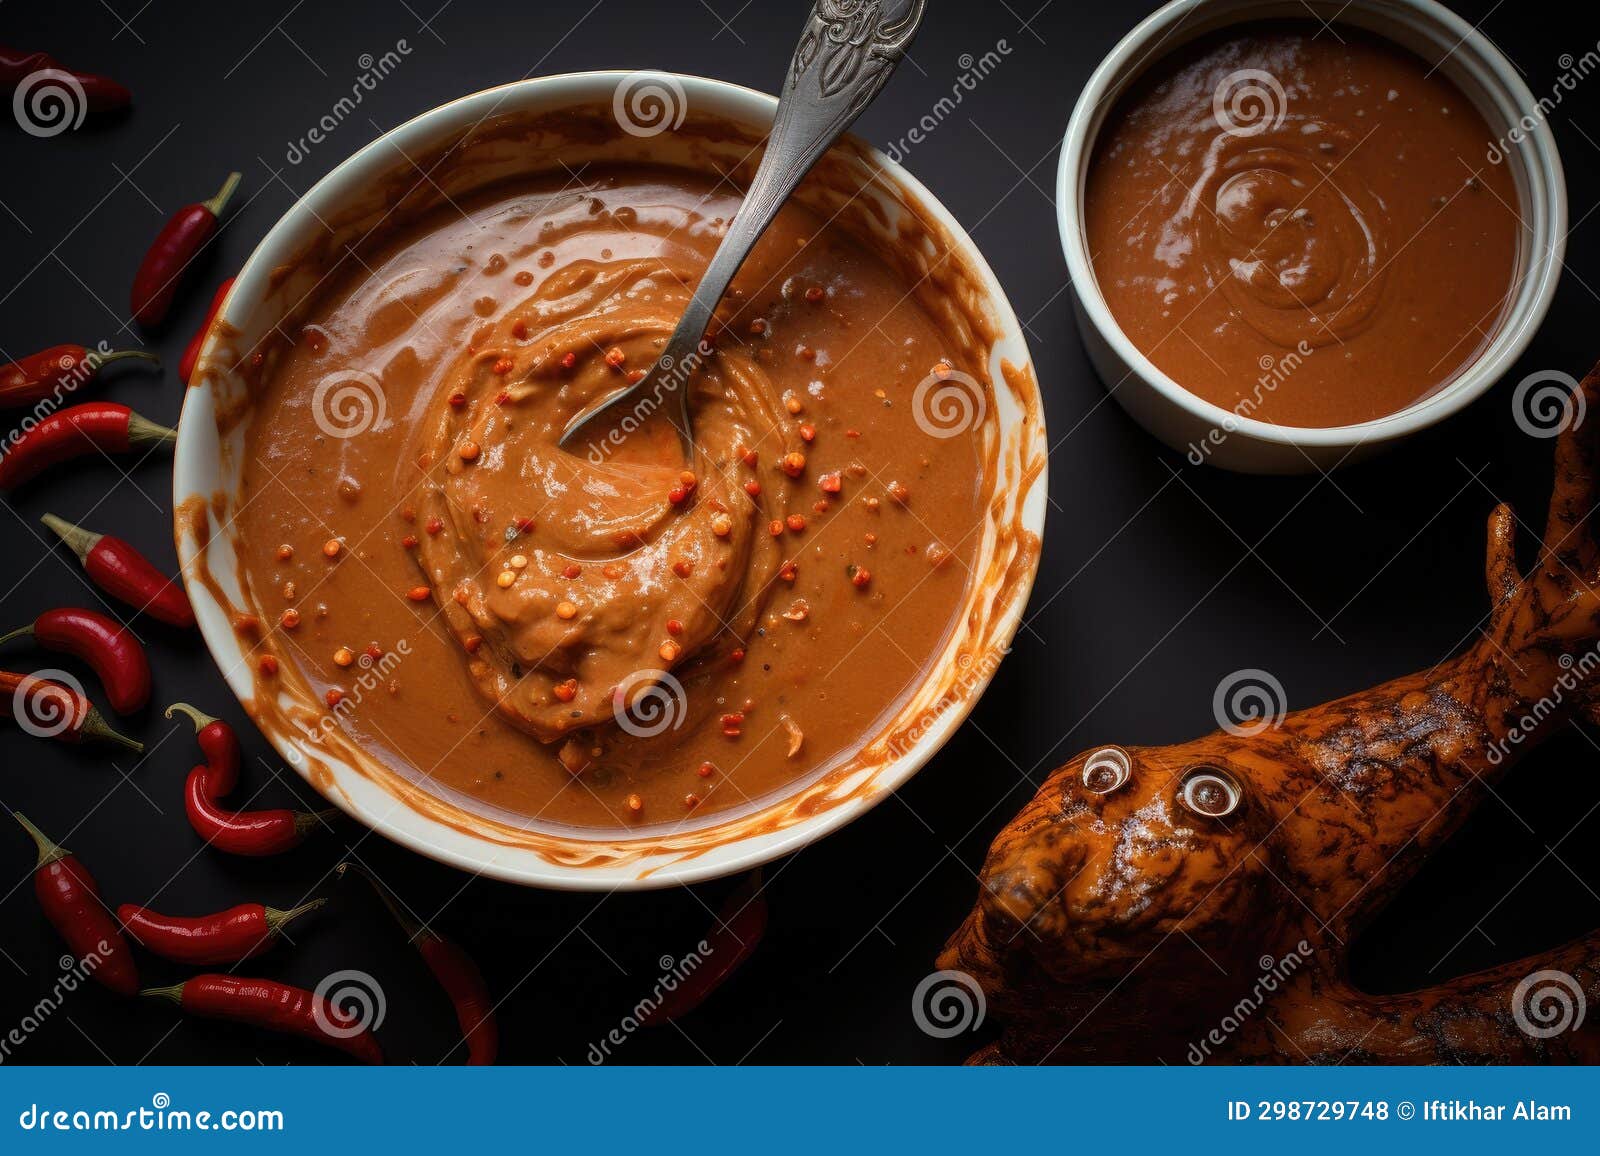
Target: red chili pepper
{"points": [[217, 743], [124, 573], [105, 644], [100, 93], [253, 833], [228, 937], [191, 352], [56, 372], [277, 1007], [179, 242], [457, 974], [54, 710], [71, 902], [75, 431], [741, 921]]}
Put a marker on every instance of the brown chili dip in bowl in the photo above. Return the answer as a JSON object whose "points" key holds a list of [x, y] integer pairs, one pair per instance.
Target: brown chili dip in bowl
{"points": [[1298, 234], [608, 665]]}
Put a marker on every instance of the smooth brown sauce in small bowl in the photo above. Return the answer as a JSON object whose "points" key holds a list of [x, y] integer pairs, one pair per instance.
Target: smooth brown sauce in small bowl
{"points": [[1301, 225], [607, 636]]}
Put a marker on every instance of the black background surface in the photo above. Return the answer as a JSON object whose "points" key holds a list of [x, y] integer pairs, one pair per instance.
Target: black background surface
{"points": [[1158, 579]]}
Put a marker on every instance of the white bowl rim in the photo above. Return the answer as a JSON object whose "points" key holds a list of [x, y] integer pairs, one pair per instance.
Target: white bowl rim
{"points": [[410, 828], [1537, 283]]}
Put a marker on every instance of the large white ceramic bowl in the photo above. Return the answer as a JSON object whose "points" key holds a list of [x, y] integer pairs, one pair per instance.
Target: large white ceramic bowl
{"points": [[527, 127], [1184, 420]]}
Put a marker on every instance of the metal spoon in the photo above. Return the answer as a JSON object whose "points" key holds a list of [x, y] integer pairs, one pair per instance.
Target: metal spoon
{"points": [[846, 55]]}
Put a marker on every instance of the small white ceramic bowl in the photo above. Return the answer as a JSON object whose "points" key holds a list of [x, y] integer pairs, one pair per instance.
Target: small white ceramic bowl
{"points": [[1183, 420], [516, 129]]}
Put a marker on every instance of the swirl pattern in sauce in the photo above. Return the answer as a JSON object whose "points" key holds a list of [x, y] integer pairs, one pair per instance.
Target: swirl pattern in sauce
{"points": [[610, 635], [1301, 229]]}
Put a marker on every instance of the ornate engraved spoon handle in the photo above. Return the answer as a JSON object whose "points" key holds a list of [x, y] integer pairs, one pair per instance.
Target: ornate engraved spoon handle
{"points": [[846, 54]]}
